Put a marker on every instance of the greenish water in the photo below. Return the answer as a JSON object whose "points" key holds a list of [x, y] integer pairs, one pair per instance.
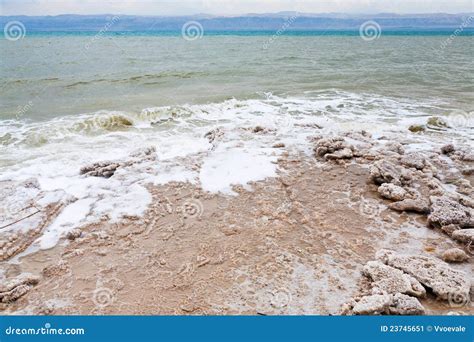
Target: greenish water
{"points": [[44, 77]]}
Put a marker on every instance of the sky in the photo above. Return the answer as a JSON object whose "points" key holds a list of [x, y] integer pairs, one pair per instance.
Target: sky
{"points": [[229, 7]]}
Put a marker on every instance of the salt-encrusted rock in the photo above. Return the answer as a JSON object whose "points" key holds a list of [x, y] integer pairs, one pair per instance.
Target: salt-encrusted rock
{"points": [[383, 171], [392, 192], [143, 153], [73, 234], [372, 305], [445, 211], [214, 134], [345, 153], [454, 255], [415, 160], [447, 149], [331, 146], [467, 201], [16, 288], [430, 272], [417, 128], [386, 279], [107, 169], [55, 269], [435, 122], [468, 156], [31, 183], [395, 147], [384, 304], [463, 235], [100, 169], [405, 305], [450, 229], [417, 205]]}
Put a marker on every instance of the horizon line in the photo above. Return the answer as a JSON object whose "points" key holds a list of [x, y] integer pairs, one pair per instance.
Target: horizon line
{"points": [[243, 14]]}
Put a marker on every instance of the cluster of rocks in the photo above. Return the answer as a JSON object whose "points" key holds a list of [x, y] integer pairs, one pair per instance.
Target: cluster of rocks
{"points": [[414, 182], [396, 283], [107, 169]]}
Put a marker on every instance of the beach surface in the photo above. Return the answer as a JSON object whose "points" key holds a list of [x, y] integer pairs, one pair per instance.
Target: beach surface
{"points": [[295, 242]]}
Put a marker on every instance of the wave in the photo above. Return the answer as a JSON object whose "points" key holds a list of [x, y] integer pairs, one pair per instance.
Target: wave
{"points": [[149, 78]]}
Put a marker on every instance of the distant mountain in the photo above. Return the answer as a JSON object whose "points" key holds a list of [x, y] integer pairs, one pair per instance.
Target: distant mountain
{"points": [[250, 22]]}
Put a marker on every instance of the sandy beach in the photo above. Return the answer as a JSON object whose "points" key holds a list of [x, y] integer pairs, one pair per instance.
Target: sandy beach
{"points": [[357, 225]]}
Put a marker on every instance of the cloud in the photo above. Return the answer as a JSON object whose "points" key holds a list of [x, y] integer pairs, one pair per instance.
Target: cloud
{"points": [[231, 7]]}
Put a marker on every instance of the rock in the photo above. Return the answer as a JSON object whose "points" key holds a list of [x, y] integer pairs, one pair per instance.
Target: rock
{"points": [[395, 147], [31, 183], [463, 235], [55, 269], [450, 229], [415, 160], [416, 205], [372, 305], [447, 149], [73, 234], [392, 192], [386, 279], [383, 171], [468, 157], [345, 153], [331, 145], [430, 272], [468, 171], [454, 255], [258, 129], [16, 288], [398, 304], [100, 169], [107, 169], [435, 122], [466, 201], [417, 128], [143, 152], [214, 134], [446, 211], [405, 305], [278, 145]]}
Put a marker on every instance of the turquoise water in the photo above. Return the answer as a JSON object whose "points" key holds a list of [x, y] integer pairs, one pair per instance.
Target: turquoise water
{"points": [[249, 33]]}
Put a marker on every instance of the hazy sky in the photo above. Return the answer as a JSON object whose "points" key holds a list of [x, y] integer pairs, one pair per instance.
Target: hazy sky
{"points": [[183, 7]]}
